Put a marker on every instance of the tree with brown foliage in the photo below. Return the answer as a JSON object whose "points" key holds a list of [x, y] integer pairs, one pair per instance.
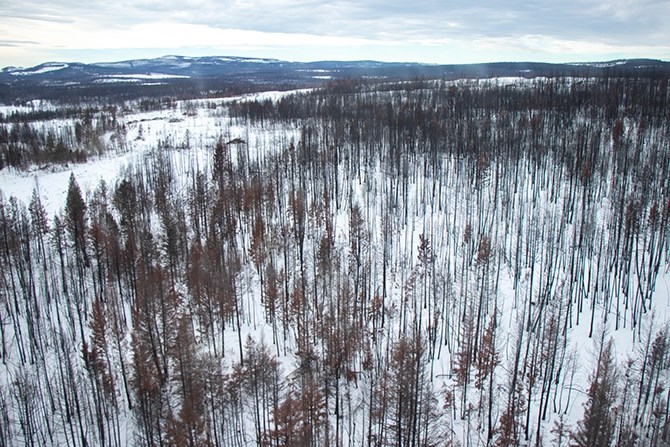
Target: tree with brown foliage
{"points": [[596, 429]]}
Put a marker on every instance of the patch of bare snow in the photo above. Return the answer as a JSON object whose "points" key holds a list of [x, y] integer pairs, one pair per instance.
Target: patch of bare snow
{"points": [[44, 69]]}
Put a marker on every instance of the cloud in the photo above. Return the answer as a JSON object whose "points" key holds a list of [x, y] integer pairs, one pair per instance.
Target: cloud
{"points": [[16, 43], [174, 35], [537, 27], [372, 19]]}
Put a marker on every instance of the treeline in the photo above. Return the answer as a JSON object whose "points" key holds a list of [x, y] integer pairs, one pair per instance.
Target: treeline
{"points": [[28, 138], [421, 267], [87, 90]]}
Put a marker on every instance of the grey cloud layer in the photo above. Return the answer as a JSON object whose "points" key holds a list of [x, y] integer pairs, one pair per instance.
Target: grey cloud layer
{"points": [[642, 22]]}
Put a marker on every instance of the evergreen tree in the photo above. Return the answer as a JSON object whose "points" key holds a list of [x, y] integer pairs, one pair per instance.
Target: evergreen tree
{"points": [[75, 212], [596, 429]]}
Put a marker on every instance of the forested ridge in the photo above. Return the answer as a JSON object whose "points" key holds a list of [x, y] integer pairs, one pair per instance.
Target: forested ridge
{"points": [[417, 263]]}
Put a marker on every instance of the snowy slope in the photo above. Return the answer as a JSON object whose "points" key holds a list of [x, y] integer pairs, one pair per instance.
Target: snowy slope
{"points": [[375, 239]]}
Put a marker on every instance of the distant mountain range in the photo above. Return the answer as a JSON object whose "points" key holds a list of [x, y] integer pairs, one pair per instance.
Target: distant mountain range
{"points": [[180, 75]]}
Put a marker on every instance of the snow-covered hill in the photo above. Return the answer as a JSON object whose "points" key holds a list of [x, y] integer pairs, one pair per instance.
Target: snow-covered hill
{"points": [[195, 76]]}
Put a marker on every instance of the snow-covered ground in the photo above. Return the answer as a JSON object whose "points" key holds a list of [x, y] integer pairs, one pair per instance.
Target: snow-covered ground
{"points": [[442, 205]]}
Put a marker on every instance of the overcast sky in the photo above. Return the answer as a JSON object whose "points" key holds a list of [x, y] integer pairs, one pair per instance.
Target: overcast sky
{"points": [[434, 31]]}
